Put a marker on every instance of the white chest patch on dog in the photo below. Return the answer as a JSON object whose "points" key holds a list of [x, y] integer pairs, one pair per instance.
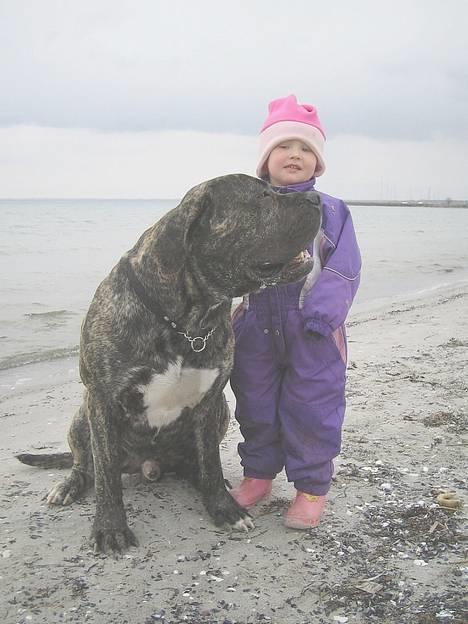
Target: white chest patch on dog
{"points": [[167, 394]]}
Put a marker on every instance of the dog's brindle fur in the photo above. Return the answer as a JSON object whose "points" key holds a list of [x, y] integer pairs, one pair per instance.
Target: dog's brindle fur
{"points": [[151, 402]]}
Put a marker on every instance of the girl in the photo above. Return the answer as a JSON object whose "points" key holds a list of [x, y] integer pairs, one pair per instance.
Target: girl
{"points": [[290, 357]]}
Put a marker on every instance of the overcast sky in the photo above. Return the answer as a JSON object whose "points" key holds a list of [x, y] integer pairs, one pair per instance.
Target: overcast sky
{"points": [[143, 98]]}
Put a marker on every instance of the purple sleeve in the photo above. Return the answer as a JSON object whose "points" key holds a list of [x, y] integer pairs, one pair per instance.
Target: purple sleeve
{"points": [[327, 304]]}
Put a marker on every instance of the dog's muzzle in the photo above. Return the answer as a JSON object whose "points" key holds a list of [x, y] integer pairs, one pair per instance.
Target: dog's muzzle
{"points": [[269, 273]]}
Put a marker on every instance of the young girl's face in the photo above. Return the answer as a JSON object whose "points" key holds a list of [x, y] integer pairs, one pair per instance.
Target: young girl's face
{"points": [[291, 162]]}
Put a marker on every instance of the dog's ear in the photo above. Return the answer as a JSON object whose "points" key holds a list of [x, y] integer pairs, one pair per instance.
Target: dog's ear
{"points": [[168, 244], [197, 205], [209, 200]]}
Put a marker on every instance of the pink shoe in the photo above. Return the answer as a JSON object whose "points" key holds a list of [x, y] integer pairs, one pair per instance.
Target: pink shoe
{"points": [[305, 511], [251, 491]]}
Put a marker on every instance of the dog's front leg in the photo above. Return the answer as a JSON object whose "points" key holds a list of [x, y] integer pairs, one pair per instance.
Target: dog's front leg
{"points": [[110, 530], [219, 503]]}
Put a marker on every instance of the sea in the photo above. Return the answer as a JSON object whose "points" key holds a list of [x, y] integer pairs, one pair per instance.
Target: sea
{"points": [[55, 252]]}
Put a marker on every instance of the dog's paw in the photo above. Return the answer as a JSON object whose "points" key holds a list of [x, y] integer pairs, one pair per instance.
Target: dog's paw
{"points": [[225, 510], [244, 524], [65, 492], [112, 540]]}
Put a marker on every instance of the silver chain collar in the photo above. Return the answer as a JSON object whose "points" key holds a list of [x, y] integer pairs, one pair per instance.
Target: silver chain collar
{"points": [[195, 341]]}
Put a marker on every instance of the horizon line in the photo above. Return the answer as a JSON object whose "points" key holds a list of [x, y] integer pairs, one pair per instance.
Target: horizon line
{"points": [[447, 201]]}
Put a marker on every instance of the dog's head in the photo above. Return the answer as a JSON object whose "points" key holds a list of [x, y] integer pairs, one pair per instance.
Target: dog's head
{"points": [[240, 235]]}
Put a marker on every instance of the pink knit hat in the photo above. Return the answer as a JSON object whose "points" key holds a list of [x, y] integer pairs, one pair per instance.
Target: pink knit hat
{"points": [[289, 120]]}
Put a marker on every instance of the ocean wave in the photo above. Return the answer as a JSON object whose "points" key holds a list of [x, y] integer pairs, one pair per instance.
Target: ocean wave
{"points": [[52, 314], [35, 357]]}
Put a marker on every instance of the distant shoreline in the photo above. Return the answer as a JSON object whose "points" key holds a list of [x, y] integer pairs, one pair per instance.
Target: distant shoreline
{"points": [[426, 203]]}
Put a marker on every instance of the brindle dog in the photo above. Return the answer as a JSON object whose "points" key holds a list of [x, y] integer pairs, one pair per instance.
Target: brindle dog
{"points": [[157, 346]]}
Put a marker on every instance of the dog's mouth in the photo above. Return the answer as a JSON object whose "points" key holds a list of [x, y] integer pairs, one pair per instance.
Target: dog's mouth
{"points": [[299, 260], [271, 273]]}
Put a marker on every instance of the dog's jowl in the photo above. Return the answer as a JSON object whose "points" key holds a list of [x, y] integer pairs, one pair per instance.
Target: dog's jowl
{"points": [[157, 346]]}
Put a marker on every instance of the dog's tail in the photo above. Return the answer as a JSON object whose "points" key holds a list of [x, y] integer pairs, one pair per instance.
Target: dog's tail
{"points": [[51, 460]]}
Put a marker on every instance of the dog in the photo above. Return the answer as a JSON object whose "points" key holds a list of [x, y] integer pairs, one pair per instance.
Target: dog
{"points": [[157, 347]]}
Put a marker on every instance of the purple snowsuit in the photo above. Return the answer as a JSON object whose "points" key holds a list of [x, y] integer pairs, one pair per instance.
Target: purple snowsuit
{"points": [[290, 360]]}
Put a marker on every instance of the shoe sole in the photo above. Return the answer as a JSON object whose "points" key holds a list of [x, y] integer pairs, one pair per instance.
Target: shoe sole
{"points": [[292, 523]]}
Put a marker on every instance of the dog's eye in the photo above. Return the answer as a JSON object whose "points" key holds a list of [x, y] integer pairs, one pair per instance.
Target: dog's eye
{"points": [[268, 268], [266, 194]]}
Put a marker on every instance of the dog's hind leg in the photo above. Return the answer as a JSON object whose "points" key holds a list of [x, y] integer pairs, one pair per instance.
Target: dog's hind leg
{"points": [[82, 474], [151, 470]]}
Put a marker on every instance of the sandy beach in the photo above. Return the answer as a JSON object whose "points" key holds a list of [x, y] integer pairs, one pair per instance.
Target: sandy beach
{"points": [[386, 550]]}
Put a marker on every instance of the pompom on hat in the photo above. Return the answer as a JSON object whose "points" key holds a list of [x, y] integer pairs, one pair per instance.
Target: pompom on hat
{"points": [[289, 120]]}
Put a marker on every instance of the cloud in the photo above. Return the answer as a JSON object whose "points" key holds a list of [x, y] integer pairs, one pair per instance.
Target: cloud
{"points": [[395, 71], [366, 168], [65, 162], [116, 98]]}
